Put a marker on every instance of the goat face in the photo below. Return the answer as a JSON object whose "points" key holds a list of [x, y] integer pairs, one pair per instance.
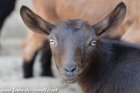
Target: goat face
{"points": [[73, 42]]}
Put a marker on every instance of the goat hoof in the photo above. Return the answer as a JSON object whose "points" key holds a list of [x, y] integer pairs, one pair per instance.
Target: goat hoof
{"points": [[28, 76], [27, 70]]}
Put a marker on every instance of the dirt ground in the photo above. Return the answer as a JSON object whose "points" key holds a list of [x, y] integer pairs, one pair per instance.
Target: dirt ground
{"points": [[13, 33]]}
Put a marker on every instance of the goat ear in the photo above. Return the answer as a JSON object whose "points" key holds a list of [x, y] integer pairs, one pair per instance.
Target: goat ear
{"points": [[112, 20], [34, 22]]}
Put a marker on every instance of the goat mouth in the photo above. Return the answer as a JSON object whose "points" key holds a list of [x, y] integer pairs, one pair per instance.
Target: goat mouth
{"points": [[70, 79]]}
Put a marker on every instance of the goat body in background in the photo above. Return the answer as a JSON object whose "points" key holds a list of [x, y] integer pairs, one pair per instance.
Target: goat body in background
{"points": [[6, 7]]}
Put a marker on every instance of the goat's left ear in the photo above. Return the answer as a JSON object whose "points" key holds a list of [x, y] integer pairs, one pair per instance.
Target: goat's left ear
{"points": [[112, 20]]}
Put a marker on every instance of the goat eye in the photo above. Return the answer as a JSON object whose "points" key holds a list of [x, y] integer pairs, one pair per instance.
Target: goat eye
{"points": [[93, 43], [52, 42]]}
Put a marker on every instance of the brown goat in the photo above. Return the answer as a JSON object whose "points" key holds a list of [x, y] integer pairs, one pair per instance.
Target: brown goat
{"points": [[99, 65], [89, 10], [53, 12]]}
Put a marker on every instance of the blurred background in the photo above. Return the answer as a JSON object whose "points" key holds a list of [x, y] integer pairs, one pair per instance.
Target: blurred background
{"points": [[12, 36]]}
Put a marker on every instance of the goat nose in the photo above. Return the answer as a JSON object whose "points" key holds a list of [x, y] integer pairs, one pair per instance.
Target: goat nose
{"points": [[70, 69]]}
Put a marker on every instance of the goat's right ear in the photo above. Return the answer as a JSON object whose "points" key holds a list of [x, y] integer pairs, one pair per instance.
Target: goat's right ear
{"points": [[34, 22]]}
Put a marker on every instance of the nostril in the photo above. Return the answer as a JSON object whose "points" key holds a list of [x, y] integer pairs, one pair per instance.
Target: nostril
{"points": [[70, 70], [74, 69], [66, 69]]}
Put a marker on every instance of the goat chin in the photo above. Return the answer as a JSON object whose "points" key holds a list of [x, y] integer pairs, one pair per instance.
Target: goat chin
{"points": [[70, 80]]}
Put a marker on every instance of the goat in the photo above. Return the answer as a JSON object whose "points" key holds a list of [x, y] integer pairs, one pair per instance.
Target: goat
{"points": [[92, 11], [6, 7], [53, 12], [99, 65]]}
